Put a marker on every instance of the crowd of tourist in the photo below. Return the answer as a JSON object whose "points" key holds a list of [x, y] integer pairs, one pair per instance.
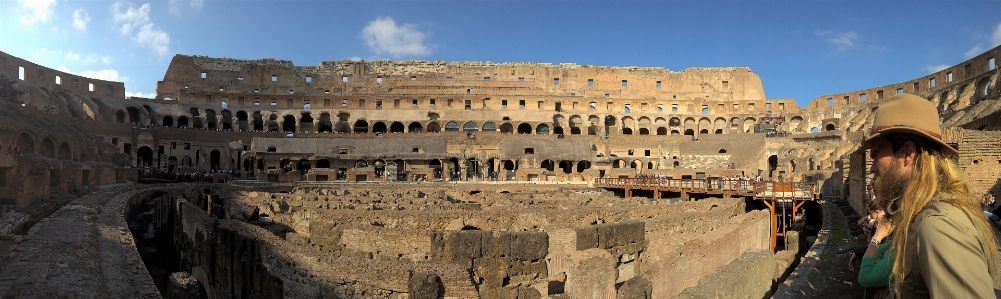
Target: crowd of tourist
{"points": [[149, 174]]}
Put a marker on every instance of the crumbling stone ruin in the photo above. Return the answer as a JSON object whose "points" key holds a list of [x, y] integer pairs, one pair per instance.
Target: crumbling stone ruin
{"points": [[417, 179]]}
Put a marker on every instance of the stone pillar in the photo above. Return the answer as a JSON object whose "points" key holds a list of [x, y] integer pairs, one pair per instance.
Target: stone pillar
{"points": [[591, 274]]}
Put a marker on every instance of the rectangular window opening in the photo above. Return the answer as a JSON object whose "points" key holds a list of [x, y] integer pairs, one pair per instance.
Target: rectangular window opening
{"points": [[556, 81], [274, 78], [239, 78], [503, 103], [378, 80], [862, 97], [879, 94], [916, 87], [469, 105], [949, 77], [413, 78], [590, 82], [413, 103], [344, 79], [830, 102], [432, 103], [593, 106], [646, 153], [59, 80], [931, 83], [521, 104], [990, 64], [309, 79], [448, 78], [658, 84], [625, 83], [521, 79], [726, 84], [486, 78], [900, 91], [20, 75], [204, 75], [344, 103]]}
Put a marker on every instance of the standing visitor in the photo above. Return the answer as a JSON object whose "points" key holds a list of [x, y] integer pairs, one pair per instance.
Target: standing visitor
{"points": [[945, 246]]}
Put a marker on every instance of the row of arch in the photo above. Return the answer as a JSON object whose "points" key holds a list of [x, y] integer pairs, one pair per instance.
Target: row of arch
{"points": [[471, 165], [26, 144]]}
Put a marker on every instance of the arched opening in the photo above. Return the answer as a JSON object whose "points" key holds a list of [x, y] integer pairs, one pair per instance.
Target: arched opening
{"points": [[168, 121], [379, 127], [242, 121], [649, 165], [379, 166], [172, 163], [542, 129], [182, 122], [829, 127], [627, 131], [361, 164], [48, 148], [718, 131], [583, 165], [214, 159], [303, 166], [453, 168], [674, 122], [134, 116], [273, 123], [703, 131], [506, 128], [593, 130], [306, 123], [342, 127], [566, 166], [472, 168], [662, 131], [792, 165], [451, 127], [636, 165], [524, 128], [144, 156], [415, 127], [361, 126], [489, 127], [120, 116], [548, 165], [558, 130], [435, 165], [258, 121], [617, 163], [325, 126], [773, 163], [574, 131], [288, 123], [323, 163], [675, 132], [64, 152], [690, 132], [211, 119], [396, 127], [286, 165], [433, 127], [644, 131], [470, 127]]}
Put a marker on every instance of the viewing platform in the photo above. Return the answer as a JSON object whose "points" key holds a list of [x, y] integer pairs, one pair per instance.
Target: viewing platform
{"points": [[783, 199]]}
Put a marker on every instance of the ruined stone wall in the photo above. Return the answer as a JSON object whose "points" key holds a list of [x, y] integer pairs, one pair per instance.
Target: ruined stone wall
{"points": [[57, 81]]}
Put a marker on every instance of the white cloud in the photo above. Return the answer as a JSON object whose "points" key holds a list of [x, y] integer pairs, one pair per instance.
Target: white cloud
{"points": [[131, 17], [140, 94], [382, 35], [976, 50], [175, 5], [72, 56], [931, 69], [996, 37], [107, 75], [148, 34], [354, 58], [106, 60], [80, 19], [41, 10], [845, 40], [153, 38]]}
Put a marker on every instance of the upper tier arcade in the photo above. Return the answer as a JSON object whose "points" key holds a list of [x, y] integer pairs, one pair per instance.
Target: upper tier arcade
{"points": [[202, 76]]}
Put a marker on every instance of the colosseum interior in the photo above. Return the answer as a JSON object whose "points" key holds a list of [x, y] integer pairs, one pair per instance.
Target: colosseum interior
{"points": [[419, 179]]}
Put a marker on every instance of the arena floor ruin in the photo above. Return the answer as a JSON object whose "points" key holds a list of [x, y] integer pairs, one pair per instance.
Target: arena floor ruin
{"points": [[386, 179]]}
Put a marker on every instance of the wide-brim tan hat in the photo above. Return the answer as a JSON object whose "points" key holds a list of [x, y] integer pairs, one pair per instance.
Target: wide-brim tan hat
{"points": [[910, 114]]}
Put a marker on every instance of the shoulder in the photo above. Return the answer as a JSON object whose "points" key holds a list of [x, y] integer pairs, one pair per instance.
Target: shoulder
{"points": [[938, 213]]}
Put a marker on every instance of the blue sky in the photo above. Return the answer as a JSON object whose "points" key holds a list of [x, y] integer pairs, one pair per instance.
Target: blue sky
{"points": [[801, 49]]}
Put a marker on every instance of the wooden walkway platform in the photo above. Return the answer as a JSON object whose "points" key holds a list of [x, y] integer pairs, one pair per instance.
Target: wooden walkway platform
{"points": [[783, 199]]}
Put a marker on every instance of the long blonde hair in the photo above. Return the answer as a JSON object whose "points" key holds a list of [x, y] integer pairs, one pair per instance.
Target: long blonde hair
{"points": [[936, 177]]}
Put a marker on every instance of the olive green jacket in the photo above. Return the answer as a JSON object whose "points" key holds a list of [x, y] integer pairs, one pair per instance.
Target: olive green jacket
{"points": [[945, 258]]}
